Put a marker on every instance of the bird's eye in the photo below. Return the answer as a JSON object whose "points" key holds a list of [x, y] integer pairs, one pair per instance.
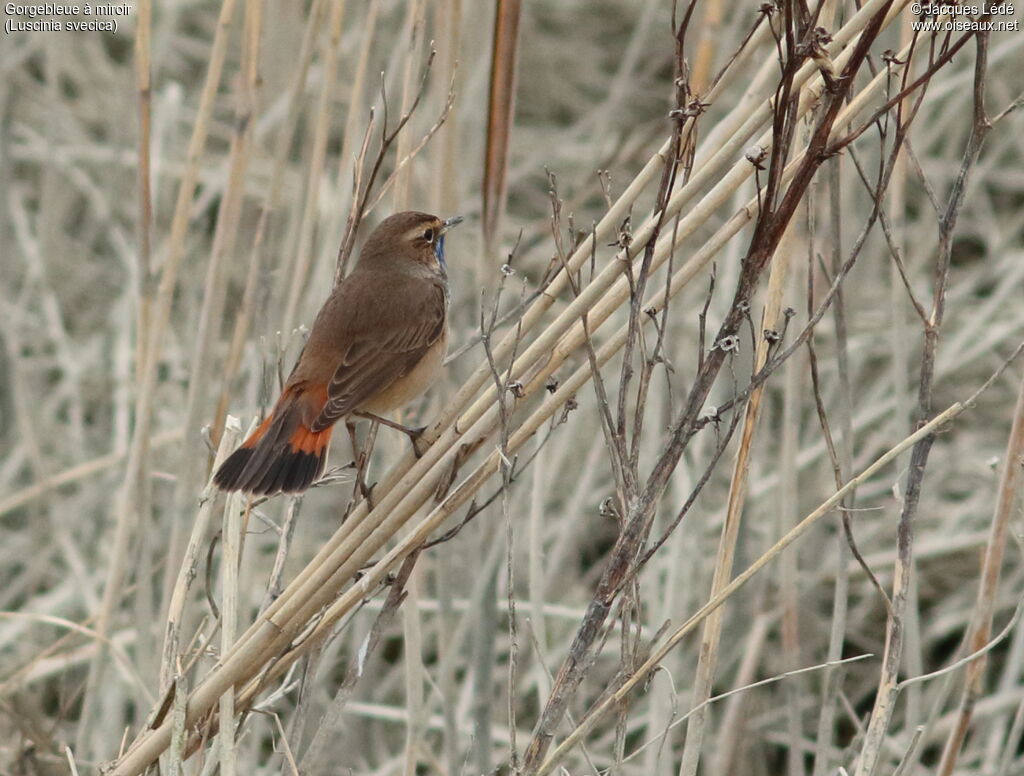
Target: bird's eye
{"points": [[429, 235]]}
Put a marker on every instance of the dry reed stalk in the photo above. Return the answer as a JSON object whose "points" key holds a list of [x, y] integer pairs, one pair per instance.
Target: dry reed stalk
{"points": [[411, 625], [842, 467], [771, 317], [355, 115], [350, 164], [194, 456], [443, 193], [837, 629], [300, 263], [231, 556], [707, 46], [787, 499], [500, 111], [127, 516], [189, 564], [733, 716], [415, 676], [143, 80], [173, 757], [416, 24]]}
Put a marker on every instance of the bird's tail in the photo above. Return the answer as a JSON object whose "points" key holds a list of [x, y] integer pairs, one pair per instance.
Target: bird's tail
{"points": [[282, 455]]}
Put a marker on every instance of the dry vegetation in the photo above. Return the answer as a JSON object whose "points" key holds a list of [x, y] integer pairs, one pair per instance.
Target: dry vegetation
{"points": [[769, 536]]}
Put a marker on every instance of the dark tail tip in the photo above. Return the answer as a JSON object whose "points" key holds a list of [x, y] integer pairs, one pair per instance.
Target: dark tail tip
{"points": [[292, 472], [229, 475], [265, 472]]}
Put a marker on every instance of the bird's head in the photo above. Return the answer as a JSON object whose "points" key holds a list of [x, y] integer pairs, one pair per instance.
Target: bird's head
{"points": [[410, 235]]}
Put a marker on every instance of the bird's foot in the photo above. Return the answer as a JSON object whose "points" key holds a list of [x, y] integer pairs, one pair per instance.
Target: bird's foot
{"points": [[419, 446], [366, 491]]}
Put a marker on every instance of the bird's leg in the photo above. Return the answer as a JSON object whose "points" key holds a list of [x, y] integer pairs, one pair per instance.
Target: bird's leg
{"points": [[415, 434], [361, 457]]}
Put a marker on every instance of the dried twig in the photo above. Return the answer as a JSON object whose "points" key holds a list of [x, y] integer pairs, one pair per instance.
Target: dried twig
{"points": [[885, 696]]}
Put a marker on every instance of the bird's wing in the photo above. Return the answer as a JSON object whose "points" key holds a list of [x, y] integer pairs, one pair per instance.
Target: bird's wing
{"points": [[383, 344]]}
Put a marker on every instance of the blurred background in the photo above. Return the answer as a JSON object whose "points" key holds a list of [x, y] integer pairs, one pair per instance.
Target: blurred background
{"points": [[243, 265]]}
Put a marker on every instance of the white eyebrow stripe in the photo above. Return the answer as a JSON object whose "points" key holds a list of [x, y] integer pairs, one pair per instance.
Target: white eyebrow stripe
{"points": [[417, 231]]}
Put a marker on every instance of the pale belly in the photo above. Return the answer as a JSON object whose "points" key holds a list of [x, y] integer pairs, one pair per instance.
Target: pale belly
{"points": [[408, 387]]}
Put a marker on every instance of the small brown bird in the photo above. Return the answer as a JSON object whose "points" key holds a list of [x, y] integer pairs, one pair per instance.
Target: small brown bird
{"points": [[377, 343]]}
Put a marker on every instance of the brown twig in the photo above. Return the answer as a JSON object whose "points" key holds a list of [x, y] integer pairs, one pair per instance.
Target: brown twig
{"points": [[885, 697]]}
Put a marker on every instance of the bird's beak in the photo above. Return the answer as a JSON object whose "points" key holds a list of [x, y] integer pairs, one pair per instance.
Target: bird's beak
{"points": [[451, 222]]}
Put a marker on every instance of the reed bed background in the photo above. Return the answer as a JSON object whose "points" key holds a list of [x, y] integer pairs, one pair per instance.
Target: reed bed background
{"points": [[778, 533]]}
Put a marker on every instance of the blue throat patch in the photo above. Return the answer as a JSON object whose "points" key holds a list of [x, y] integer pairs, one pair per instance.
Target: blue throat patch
{"points": [[439, 252]]}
